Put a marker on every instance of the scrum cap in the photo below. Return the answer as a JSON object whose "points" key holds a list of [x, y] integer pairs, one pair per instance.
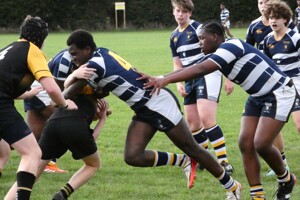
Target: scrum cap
{"points": [[34, 29]]}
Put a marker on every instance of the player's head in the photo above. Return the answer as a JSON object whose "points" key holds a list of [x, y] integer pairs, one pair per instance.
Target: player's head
{"points": [[279, 10], [81, 46], [211, 36], [182, 11], [222, 5], [187, 5], [34, 29], [261, 4], [298, 2]]}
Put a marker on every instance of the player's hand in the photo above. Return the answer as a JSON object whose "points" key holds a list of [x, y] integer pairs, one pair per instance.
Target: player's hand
{"points": [[156, 84], [34, 91], [228, 87], [143, 76], [102, 109], [71, 105], [181, 89], [84, 72]]}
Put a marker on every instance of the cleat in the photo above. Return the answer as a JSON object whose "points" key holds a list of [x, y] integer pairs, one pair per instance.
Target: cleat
{"points": [[52, 167], [58, 196], [284, 190], [227, 166], [236, 194], [189, 170], [272, 173]]}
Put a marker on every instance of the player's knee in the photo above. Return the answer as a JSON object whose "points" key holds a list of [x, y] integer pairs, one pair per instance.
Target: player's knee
{"points": [[261, 147], [245, 146], [130, 159]]}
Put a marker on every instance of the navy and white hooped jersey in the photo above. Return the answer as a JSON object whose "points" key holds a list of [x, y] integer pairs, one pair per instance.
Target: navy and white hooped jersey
{"points": [[257, 31], [224, 14], [61, 65], [185, 44], [116, 75], [243, 64], [285, 52]]}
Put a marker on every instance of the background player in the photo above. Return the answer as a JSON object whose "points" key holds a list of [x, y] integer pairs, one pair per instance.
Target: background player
{"points": [[257, 31], [201, 95], [224, 16]]}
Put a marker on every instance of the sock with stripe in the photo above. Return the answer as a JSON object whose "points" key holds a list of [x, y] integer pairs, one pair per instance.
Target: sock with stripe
{"points": [[67, 190], [227, 181], [201, 137], [257, 192], [286, 177], [217, 141], [166, 158], [25, 181]]}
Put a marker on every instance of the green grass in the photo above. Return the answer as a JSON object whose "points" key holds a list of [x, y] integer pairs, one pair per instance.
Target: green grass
{"points": [[149, 52]]}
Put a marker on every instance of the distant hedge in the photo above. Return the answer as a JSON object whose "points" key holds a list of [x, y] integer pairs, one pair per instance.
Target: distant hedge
{"points": [[100, 14]]}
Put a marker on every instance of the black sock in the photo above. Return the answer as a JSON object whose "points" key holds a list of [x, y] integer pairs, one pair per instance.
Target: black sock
{"points": [[67, 190], [25, 181]]}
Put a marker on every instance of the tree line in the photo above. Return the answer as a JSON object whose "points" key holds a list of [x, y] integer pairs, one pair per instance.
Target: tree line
{"points": [[100, 14]]}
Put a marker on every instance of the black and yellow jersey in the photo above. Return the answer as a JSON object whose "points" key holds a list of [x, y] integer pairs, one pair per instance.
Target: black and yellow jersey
{"points": [[21, 62]]}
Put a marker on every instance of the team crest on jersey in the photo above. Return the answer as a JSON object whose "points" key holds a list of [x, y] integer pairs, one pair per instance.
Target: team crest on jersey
{"points": [[175, 39], [259, 31]]}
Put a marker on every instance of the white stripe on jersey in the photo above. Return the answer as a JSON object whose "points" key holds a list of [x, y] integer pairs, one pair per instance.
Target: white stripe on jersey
{"points": [[118, 91], [188, 60], [188, 47], [100, 61]]}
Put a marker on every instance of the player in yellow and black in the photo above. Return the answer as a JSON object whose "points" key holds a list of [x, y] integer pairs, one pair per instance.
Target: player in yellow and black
{"points": [[21, 62]]}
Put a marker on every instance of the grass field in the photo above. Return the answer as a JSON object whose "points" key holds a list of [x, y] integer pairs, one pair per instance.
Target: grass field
{"points": [[148, 51]]}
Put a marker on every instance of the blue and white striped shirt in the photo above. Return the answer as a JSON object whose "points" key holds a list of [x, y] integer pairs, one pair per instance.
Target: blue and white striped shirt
{"points": [[243, 64], [116, 75], [61, 65], [185, 44], [224, 14], [285, 52]]}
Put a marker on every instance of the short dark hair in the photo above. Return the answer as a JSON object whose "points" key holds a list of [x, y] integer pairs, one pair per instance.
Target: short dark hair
{"points": [[81, 39], [213, 26], [34, 29]]}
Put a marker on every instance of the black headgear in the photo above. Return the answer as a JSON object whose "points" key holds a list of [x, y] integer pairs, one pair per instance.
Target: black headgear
{"points": [[34, 29]]}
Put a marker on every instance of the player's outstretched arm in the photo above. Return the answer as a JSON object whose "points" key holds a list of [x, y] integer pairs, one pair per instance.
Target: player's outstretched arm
{"points": [[185, 74]]}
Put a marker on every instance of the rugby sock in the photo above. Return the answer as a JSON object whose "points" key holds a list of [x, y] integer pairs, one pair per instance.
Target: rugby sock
{"points": [[283, 157], [228, 183], [217, 141], [67, 190], [286, 177], [165, 158], [25, 181], [201, 137], [257, 192]]}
